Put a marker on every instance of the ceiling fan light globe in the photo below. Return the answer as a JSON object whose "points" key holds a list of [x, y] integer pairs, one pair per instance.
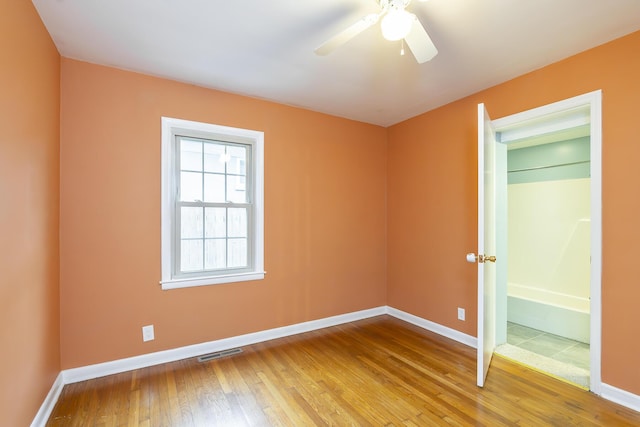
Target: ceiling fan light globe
{"points": [[396, 24]]}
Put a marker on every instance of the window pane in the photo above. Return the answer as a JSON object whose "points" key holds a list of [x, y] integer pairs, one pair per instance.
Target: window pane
{"points": [[190, 155], [214, 188], [190, 186], [215, 222], [215, 254], [190, 222], [236, 189], [191, 255], [237, 253], [214, 157], [237, 160], [237, 222]]}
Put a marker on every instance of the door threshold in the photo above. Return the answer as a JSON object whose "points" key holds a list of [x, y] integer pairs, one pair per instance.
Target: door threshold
{"points": [[545, 365]]}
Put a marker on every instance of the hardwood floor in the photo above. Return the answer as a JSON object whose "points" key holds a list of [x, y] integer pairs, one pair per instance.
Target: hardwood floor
{"points": [[375, 372]]}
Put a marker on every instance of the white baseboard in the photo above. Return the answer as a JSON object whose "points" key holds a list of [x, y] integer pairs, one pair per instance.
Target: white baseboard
{"points": [[434, 327], [122, 365], [621, 397], [69, 376], [142, 361], [49, 403]]}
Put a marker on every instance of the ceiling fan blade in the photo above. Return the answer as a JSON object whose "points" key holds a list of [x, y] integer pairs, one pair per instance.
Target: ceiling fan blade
{"points": [[420, 43], [347, 34]]}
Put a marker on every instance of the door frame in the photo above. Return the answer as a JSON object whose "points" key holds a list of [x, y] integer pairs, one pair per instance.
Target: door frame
{"points": [[593, 100]]}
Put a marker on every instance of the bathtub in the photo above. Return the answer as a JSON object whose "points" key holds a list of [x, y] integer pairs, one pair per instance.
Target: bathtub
{"points": [[554, 312]]}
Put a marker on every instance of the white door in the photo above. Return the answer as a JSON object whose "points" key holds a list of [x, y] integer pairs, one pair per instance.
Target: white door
{"points": [[486, 243]]}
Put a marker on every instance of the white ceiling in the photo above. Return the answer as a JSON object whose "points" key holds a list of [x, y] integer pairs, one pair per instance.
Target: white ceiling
{"points": [[264, 48]]}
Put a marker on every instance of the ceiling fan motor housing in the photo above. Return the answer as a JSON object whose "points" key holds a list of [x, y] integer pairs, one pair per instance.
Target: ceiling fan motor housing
{"points": [[393, 4]]}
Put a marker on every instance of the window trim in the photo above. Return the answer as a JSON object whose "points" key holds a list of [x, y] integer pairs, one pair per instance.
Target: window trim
{"points": [[170, 128]]}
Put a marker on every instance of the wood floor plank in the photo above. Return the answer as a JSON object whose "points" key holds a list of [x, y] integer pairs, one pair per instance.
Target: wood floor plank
{"points": [[375, 372]]}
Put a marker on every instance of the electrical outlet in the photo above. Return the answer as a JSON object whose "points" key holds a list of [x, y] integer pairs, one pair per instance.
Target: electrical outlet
{"points": [[460, 313], [147, 333]]}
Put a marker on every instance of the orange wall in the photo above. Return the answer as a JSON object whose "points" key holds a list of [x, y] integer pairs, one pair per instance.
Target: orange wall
{"points": [[325, 217], [29, 183], [432, 198]]}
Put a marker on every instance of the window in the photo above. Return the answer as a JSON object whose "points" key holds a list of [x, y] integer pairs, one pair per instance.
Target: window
{"points": [[212, 204]]}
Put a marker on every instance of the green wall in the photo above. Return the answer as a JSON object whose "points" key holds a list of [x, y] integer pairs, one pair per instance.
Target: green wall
{"points": [[549, 162]]}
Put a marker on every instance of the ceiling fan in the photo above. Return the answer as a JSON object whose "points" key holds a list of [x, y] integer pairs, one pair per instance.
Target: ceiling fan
{"points": [[396, 24]]}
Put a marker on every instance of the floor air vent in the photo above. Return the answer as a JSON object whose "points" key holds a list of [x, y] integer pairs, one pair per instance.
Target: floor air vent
{"points": [[219, 354]]}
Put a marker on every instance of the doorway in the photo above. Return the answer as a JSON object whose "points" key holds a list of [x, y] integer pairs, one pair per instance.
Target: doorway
{"points": [[548, 229], [543, 129]]}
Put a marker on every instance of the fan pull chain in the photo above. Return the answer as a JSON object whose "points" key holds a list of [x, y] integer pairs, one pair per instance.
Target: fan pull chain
{"points": [[402, 48]]}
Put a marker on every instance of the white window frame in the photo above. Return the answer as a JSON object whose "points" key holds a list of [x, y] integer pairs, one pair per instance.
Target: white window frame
{"points": [[170, 129]]}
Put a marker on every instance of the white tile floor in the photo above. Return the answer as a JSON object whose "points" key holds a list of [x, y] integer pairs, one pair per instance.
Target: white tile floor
{"points": [[556, 355], [545, 344]]}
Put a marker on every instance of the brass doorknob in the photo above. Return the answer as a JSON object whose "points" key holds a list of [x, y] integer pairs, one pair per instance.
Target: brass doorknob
{"points": [[471, 257]]}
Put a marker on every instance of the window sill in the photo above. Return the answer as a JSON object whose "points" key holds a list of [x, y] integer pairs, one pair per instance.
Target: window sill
{"points": [[213, 280]]}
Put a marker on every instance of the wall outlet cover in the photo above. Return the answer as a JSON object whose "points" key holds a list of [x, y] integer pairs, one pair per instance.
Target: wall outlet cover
{"points": [[148, 333]]}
